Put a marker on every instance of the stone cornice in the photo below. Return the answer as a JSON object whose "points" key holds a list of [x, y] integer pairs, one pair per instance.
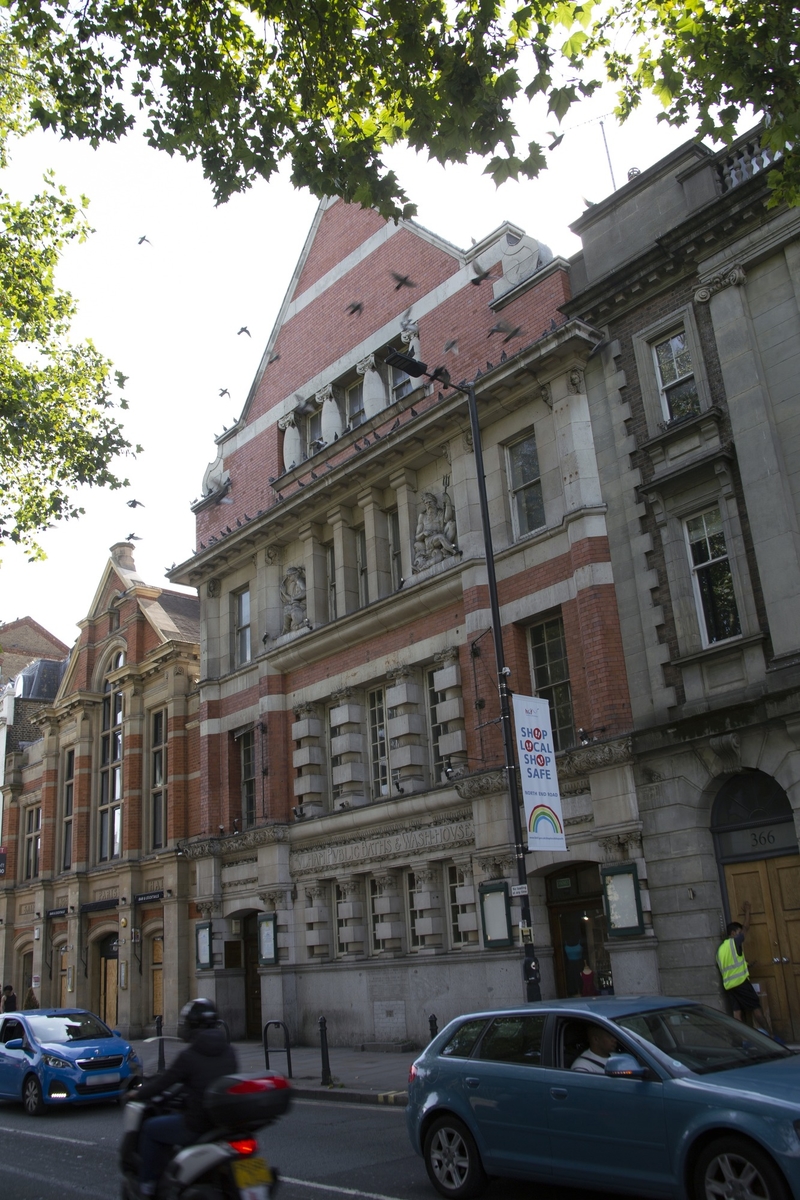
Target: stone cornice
{"points": [[595, 757], [266, 835]]}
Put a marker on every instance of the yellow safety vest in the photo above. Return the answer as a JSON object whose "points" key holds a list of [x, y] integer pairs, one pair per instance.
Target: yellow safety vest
{"points": [[732, 965]]}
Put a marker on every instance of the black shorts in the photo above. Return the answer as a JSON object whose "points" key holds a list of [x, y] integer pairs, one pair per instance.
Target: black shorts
{"points": [[745, 997]]}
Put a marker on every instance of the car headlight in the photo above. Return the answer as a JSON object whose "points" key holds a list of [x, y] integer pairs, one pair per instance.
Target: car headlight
{"points": [[133, 1058], [52, 1061]]}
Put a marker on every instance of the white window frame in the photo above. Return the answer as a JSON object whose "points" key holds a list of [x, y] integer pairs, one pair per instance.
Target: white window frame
{"points": [[665, 387], [242, 629], [696, 569], [354, 404], [644, 343], [395, 552], [401, 384]]}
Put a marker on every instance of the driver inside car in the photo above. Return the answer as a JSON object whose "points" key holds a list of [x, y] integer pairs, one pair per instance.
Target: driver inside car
{"points": [[602, 1043], [207, 1057]]}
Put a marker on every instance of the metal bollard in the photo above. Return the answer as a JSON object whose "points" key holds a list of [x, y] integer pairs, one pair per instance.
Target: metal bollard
{"points": [[160, 1035], [433, 1025], [327, 1078]]}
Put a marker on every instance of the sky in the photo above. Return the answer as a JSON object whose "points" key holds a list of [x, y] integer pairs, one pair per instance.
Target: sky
{"points": [[168, 311]]}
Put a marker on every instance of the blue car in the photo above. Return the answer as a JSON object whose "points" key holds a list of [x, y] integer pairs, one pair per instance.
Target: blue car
{"points": [[56, 1056], [648, 1096]]}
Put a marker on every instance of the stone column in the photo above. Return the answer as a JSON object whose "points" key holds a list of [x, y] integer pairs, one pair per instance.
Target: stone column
{"points": [[427, 903], [404, 485], [375, 394], [376, 528], [351, 934], [463, 905], [317, 918], [387, 914], [308, 758], [450, 713], [348, 766], [344, 545], [405, 729]]}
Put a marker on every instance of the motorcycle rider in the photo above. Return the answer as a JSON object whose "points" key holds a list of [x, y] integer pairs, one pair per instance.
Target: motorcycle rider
{"points": [[208, 1056]]}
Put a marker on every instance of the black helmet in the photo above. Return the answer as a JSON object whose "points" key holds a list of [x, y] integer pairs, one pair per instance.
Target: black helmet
{"points": [[197, 1014]]}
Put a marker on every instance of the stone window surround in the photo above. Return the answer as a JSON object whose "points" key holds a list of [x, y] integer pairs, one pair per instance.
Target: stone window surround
{"points": [[66, 781], [644, 351], [672, 508], [542, 619], [236, 629], [151, 788]]}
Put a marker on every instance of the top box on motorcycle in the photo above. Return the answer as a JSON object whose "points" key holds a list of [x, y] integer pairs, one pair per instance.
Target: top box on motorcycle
{"points": [[247, 1101]]}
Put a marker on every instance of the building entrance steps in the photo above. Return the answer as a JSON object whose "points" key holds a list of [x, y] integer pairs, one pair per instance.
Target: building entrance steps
{"points": [[360, 1076]]}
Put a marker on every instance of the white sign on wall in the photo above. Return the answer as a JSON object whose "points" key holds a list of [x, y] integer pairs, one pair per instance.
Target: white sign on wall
{"points": [[537, 773]]}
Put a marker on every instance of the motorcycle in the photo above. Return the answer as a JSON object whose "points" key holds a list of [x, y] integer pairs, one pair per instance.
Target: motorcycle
{"points": [[223, 1163]]}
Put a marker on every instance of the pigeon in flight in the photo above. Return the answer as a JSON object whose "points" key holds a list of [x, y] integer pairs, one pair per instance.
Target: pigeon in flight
{"points": [[132, 538], [144, 238], [355, 308], [401, 281], [508, 330], [224, 392], [134, 504], [273, 358], [442, 375], [451, 346], [480, 274], [244, 329]]}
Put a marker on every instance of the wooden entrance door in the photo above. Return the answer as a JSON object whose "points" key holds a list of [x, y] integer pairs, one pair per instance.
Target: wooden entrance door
{"points": [[108, 981], [252, 979], [772, 948]]}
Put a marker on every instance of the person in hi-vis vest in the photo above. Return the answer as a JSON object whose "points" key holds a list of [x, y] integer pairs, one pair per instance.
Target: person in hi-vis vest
{"points": [[735, 974]]}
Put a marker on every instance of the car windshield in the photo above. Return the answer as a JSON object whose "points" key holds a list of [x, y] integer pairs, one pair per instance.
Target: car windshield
{"points": [[68, 1027], [703, 1040]]}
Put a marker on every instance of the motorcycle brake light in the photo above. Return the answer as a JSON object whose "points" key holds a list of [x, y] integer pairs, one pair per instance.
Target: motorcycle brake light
{"points": [[244, 1145], [245, 1086]]}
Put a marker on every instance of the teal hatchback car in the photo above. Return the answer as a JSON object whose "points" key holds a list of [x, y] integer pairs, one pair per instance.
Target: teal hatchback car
{"points": [[649, 1096]]}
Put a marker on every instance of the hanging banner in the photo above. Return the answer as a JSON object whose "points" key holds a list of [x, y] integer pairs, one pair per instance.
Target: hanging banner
{"points": [[538, 776]]}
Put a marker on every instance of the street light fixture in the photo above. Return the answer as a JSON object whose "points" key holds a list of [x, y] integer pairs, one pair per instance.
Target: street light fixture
{"points": [[530, 968]]}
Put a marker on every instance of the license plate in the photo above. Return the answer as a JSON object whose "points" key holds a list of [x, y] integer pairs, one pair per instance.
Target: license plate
{"points": [[102, 1079], [252, 1177]]}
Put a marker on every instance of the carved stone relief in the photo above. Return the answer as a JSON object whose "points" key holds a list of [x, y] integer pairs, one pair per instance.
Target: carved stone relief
{"points": [[293, 596], [435, 536]]}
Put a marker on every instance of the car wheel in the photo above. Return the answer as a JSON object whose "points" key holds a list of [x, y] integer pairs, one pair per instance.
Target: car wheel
{"points": [[32, 1098], [452, 1161], [736, 1167]]}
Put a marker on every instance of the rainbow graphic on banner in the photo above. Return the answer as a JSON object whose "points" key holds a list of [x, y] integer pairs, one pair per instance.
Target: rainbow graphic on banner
{"points": [[543, 820]]}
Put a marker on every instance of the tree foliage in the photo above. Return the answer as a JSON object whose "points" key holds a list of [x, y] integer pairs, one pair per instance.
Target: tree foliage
{"points": [[329, 84], [58, 429]]}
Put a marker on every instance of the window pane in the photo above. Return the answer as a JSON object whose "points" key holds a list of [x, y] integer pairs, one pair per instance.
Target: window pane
{"points": [[719, 601], [355, 405], [551, 678], [514, 1039], [243, 608], [158, 728], [67, 858], [524, 462], [378, 747], [462, 1042], [158, 820], [530, 508], [104, 834], [682, 399], [116, 845]]}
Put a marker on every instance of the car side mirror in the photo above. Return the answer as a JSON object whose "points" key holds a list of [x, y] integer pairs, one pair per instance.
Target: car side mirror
{"points": [[624, 1066], [15, 1044], [116, 1033]]}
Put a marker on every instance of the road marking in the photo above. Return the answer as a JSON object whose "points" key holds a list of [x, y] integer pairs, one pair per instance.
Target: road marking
{"points": [[51, 1137], [341, 1191], [78, 1189]]}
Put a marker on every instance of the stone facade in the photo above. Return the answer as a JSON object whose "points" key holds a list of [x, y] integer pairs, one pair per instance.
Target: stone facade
{"points": [[94, 903], [693, 397]]}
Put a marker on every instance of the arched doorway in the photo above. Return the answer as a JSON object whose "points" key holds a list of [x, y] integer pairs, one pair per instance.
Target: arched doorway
{"points": [[109, 955], [756, 845], [578, 928]]}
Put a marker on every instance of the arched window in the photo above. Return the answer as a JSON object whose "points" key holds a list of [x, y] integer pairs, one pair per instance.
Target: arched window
{"points": [[109, 839], [752, 818]]}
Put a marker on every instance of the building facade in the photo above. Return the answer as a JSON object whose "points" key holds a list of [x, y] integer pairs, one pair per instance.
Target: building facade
{"points": [[353, 812], [94, 906], [693, 397]]}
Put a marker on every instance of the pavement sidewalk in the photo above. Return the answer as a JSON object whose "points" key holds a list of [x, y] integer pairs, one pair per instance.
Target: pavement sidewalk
{"points": [[359, 1076]]}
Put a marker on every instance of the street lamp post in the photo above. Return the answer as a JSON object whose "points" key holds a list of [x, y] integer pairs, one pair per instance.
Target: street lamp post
{"points": [[414, 368]]}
